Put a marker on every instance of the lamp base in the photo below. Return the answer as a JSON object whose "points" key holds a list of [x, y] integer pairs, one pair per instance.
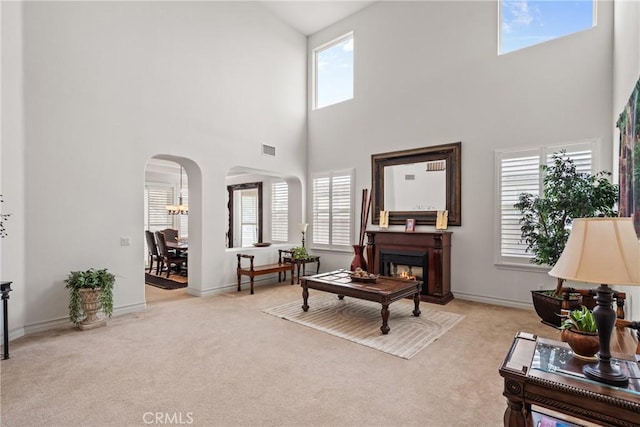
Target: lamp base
{"points": [[604, 372]]}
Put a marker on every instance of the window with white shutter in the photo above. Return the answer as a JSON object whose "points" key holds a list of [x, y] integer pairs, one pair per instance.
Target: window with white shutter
{"points": [[156, 217], [248, 217], [279, 212], [518, 171], [332, 210]]}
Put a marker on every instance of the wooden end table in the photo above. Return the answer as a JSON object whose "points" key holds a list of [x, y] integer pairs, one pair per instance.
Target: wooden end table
{"points": [[288, 257], [545, 373], [384, 291]]}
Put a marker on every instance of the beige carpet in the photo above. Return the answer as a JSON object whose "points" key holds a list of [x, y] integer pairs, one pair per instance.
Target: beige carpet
{"points": [[359, 321], [220, 361]]}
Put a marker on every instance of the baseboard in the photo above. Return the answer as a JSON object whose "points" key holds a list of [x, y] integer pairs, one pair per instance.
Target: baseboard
{"points": [[229, 287], [64, 322], [493, 301]]}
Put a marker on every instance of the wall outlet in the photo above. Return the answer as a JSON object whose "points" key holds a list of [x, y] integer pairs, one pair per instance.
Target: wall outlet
{"points": [[125, 241]]}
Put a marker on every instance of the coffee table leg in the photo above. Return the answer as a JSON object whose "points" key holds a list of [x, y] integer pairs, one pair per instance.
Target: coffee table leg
{"points": [[416, 303], [385, 319], [340, 297], [305, 297]]}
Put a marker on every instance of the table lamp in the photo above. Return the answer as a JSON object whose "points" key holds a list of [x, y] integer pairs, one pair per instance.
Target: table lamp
{"points": [[303, 229], [604, 251]]}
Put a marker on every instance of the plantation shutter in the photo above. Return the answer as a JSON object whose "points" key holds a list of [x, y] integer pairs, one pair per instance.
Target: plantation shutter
{"points": [[519, 173], [249, 217], [279, 212], [158, 217], [341, 211], [332, 209], [183, 225], [321, 210]]}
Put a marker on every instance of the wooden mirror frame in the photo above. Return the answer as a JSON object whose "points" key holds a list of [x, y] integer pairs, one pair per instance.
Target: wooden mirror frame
{"points": [[451, 153], [236, 187]]}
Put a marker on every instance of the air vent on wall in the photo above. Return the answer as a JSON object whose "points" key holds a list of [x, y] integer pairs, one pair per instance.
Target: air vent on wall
{"points": [[408, 177], [268, 150]]}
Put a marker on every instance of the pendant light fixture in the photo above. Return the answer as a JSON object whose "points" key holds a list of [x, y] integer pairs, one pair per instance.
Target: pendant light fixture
{"points": [[180, 209]]}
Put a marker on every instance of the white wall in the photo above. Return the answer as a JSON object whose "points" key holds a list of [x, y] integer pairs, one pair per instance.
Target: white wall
{"points": [[107, 86], [427, 73], [626, 60], [12, 166]]}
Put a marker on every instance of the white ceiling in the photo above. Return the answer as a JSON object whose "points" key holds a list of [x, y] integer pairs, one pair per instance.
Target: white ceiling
{"points": [[309, 17]]}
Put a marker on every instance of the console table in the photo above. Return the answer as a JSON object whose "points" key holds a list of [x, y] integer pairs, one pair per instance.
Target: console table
{"points": [[545, 373], [429, 251]]}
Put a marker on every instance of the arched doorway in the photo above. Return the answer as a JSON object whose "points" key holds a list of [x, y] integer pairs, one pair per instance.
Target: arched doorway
{"points": [[172, 182]]}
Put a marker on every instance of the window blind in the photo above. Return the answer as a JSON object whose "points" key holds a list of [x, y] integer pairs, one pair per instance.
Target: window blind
{"points": [[332, 209], [279, 212], [519, 172]]}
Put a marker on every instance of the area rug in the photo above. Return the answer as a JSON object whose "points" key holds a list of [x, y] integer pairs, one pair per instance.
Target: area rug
{"points": [[162, 282], [359, 321]]}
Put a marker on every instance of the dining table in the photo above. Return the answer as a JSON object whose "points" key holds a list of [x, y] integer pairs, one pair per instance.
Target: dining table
{"points": [[181, 247]]}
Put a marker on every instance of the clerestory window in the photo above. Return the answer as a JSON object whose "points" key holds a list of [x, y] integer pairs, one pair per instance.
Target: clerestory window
{"points": [[333, 72], [525, 23]]}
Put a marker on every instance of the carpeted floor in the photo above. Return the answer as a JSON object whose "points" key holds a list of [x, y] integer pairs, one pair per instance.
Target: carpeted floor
{"points": [[221, 361], [359, 321], [163, 283]]}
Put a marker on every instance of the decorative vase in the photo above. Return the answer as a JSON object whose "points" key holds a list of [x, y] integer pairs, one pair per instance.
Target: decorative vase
{"points": [[583, 344], [91, 305], [548, 307], [358, 259]]}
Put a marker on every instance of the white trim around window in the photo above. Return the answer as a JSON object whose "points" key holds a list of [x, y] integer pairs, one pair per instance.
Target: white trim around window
{"points": [[518, 171]]}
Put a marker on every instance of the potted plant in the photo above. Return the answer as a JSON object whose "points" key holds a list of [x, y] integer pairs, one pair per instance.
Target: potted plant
{"points": [[580, 331], [90, 291], [299, 252], [546, 219]]}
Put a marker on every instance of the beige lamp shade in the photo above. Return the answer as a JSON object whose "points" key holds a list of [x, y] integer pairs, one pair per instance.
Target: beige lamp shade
{"points": [[601, 250]]}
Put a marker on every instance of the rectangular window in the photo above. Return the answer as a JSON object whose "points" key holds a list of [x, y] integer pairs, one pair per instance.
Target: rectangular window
{"points": [[248, 209], [333, 72], [527, 23], [518, 171], [332, 210], [279, 212]]}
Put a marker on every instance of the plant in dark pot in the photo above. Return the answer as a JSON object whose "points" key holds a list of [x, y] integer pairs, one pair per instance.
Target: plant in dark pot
{"points": [[546, 218], [90, 292], [579, 330], [299, 252]]}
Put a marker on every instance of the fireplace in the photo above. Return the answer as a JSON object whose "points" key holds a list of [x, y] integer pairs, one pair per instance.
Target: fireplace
{"points": [[427, 256], [409, 264]]}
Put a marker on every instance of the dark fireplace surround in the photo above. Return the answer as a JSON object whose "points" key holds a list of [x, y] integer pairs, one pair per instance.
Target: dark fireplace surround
{"points": [[429, 251]]}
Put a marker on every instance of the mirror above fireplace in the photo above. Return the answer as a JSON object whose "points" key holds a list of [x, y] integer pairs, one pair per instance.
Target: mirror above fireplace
{"points": [[417, 183]]}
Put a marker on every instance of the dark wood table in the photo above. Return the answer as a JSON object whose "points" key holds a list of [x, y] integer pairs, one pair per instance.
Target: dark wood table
{"points": [[178, 246], [384, 291], [544, 373], [299, 262]]}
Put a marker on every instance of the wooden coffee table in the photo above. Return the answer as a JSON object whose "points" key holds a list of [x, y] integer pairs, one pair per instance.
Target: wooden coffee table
{"points": [[384, 291]]}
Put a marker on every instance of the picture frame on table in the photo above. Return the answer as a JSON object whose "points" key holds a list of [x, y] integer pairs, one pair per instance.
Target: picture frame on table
{"points": [[410, 225]]}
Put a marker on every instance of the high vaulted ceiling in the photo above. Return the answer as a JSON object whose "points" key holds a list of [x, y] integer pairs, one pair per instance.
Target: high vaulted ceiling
{"points": [[309, 17]]}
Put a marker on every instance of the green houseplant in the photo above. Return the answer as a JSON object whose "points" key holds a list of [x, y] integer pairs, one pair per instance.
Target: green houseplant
{"points": [[545, 221], [299, 252], [89, 292], [580, 331]]}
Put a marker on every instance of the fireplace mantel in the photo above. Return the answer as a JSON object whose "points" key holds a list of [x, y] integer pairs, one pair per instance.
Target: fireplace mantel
{"points": [[435, 247]]}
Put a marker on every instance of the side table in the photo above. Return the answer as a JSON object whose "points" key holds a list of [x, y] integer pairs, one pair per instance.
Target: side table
{"points": [[5, 288], [545, 373], [288, 258]]}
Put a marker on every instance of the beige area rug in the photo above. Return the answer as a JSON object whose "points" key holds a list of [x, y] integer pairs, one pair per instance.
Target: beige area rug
{"points": [[359, 321]]}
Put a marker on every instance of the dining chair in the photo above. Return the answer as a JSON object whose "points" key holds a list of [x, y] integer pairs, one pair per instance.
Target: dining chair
{"points": [[170, 234], [167, 257], [152, 248]]}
